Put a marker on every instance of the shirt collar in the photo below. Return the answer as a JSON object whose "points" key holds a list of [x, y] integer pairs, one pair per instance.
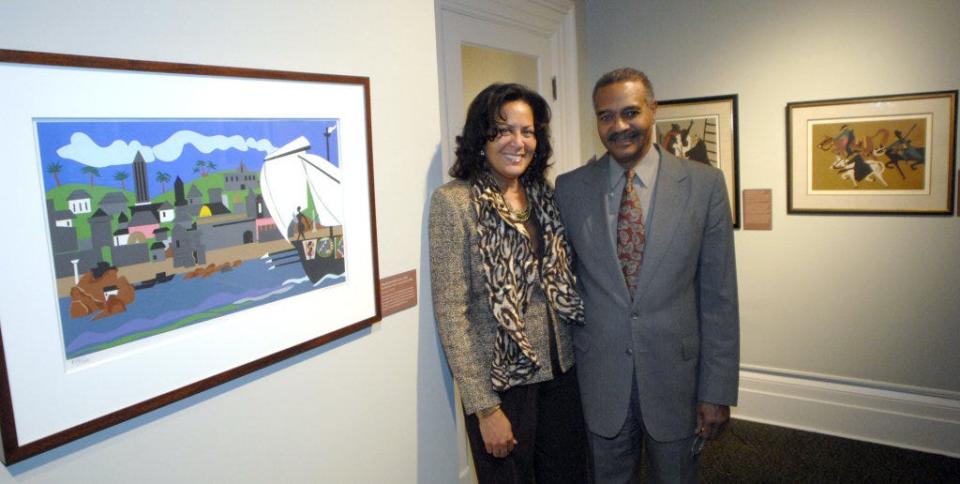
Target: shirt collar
{"points": [[646, 169]]}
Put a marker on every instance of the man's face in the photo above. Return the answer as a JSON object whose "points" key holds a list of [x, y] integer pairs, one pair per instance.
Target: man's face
{"points": [[625, 121]]}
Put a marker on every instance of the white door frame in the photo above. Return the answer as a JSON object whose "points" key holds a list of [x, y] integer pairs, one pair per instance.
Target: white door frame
{"points": [[549, 21]]}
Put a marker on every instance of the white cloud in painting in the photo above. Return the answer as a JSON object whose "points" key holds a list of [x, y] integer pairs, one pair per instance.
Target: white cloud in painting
{"points": [[171, 148], [88, 152]]}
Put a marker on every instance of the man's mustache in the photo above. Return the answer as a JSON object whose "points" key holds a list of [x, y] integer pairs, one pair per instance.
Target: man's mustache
{"points": [[627, 134]]}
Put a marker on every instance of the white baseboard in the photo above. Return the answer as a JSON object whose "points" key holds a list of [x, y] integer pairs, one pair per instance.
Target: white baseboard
{"points": [[914, 418]]}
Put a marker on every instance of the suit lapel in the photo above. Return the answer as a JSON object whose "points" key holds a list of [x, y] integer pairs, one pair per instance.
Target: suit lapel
{"points": [[604, 246], [670, 198]]}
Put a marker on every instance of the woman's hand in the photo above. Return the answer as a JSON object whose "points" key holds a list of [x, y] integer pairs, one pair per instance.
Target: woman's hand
{"points": [[497, 434]]}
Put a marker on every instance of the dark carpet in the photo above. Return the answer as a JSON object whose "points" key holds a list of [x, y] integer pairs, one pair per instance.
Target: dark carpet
{"points": [[753, 452]]}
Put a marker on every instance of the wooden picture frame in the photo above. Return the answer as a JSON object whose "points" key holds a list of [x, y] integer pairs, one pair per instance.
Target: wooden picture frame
{"points": [[87, 140], [872, 155], [704, 129]]}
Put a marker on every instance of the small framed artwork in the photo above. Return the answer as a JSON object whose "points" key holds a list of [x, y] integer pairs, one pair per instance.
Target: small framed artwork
{"points": [[705, 130], [171, 227], [872, 155]]}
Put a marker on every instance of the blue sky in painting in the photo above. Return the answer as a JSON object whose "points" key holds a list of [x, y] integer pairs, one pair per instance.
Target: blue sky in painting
{"points": [[170, 145]]}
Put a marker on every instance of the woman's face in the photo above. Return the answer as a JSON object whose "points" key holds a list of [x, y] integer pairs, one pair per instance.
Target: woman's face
{"points": [[510, 153]]}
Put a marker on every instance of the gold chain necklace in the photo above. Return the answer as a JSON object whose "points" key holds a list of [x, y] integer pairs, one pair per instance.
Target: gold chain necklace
{"points": [[518, 216], [515, 216]]}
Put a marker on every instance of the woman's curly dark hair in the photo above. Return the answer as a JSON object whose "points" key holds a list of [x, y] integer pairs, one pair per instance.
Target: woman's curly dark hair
{"points": [[481, 126]]}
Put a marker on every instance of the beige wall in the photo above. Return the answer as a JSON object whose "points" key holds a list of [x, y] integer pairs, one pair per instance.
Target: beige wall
{"points": [[375, 407], [866, 298], [483, 66]]}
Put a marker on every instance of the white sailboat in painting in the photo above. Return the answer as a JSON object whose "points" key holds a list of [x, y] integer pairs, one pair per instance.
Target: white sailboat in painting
{"points": [[290, 179]]}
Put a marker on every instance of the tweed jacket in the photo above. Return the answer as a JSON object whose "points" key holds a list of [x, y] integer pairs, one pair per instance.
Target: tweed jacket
{"points": [[465, 320]]}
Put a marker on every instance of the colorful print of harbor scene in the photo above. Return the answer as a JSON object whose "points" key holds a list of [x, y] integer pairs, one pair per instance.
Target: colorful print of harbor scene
{"points": [[160, 224]]}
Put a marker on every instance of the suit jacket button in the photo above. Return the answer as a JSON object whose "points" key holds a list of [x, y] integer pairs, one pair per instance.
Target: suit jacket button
{"points": [[634, 316], [629, 351]]}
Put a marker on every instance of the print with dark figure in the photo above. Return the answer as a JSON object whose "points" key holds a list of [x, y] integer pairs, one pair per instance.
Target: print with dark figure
{"points": [[903, 150], [301, 223], [683, 144], [671, 140], [699, 152]]}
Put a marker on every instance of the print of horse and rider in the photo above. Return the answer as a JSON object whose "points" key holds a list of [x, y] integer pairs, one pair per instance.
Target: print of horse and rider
{"points": [[873, 155]]}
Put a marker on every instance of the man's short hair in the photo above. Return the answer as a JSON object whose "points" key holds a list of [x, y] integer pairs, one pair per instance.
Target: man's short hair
{"points": [[625, 74]]}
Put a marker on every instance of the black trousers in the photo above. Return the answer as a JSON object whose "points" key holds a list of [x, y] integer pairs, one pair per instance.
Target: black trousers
{"points": [[547, 422]]}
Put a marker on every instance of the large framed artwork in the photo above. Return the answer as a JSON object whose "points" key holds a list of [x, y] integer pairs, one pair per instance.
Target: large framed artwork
{"points": [[875, 155], [169, 227], [704, 129]]}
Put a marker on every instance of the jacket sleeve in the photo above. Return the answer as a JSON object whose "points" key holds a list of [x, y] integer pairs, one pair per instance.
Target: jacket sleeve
{"points": [[466, 341], [719, 310]]}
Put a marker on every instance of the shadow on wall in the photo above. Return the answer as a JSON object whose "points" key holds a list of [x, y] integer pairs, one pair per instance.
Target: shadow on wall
{"points": [[161, 413], [436, 413]]}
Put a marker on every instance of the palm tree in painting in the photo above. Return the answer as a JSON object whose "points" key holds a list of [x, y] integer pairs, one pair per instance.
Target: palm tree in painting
{"points": [[162, 178], [92, 171], [211, 166], [121, 177], [201, 168], [54, 170]]}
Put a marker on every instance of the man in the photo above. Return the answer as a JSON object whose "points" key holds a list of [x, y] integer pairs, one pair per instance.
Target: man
{"points": [[658, 357]]}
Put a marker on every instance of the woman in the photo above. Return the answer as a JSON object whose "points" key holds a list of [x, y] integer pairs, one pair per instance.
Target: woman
{"points": [[504, 294]]}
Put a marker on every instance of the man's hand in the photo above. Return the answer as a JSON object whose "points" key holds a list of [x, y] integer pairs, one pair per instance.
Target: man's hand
{"points": [[497, 434], [711, 419]]}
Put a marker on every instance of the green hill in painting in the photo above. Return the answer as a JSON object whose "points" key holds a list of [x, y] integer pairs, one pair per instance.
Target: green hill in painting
{"points": [[60, 194], [97, 192]]}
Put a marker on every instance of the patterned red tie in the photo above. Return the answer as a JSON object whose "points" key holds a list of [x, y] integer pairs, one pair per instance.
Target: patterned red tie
{"points": [[630, 234]]}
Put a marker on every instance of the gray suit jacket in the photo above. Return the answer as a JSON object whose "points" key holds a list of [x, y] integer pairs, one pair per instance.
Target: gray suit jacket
{"points": [[681, 331], [464, 318]]}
